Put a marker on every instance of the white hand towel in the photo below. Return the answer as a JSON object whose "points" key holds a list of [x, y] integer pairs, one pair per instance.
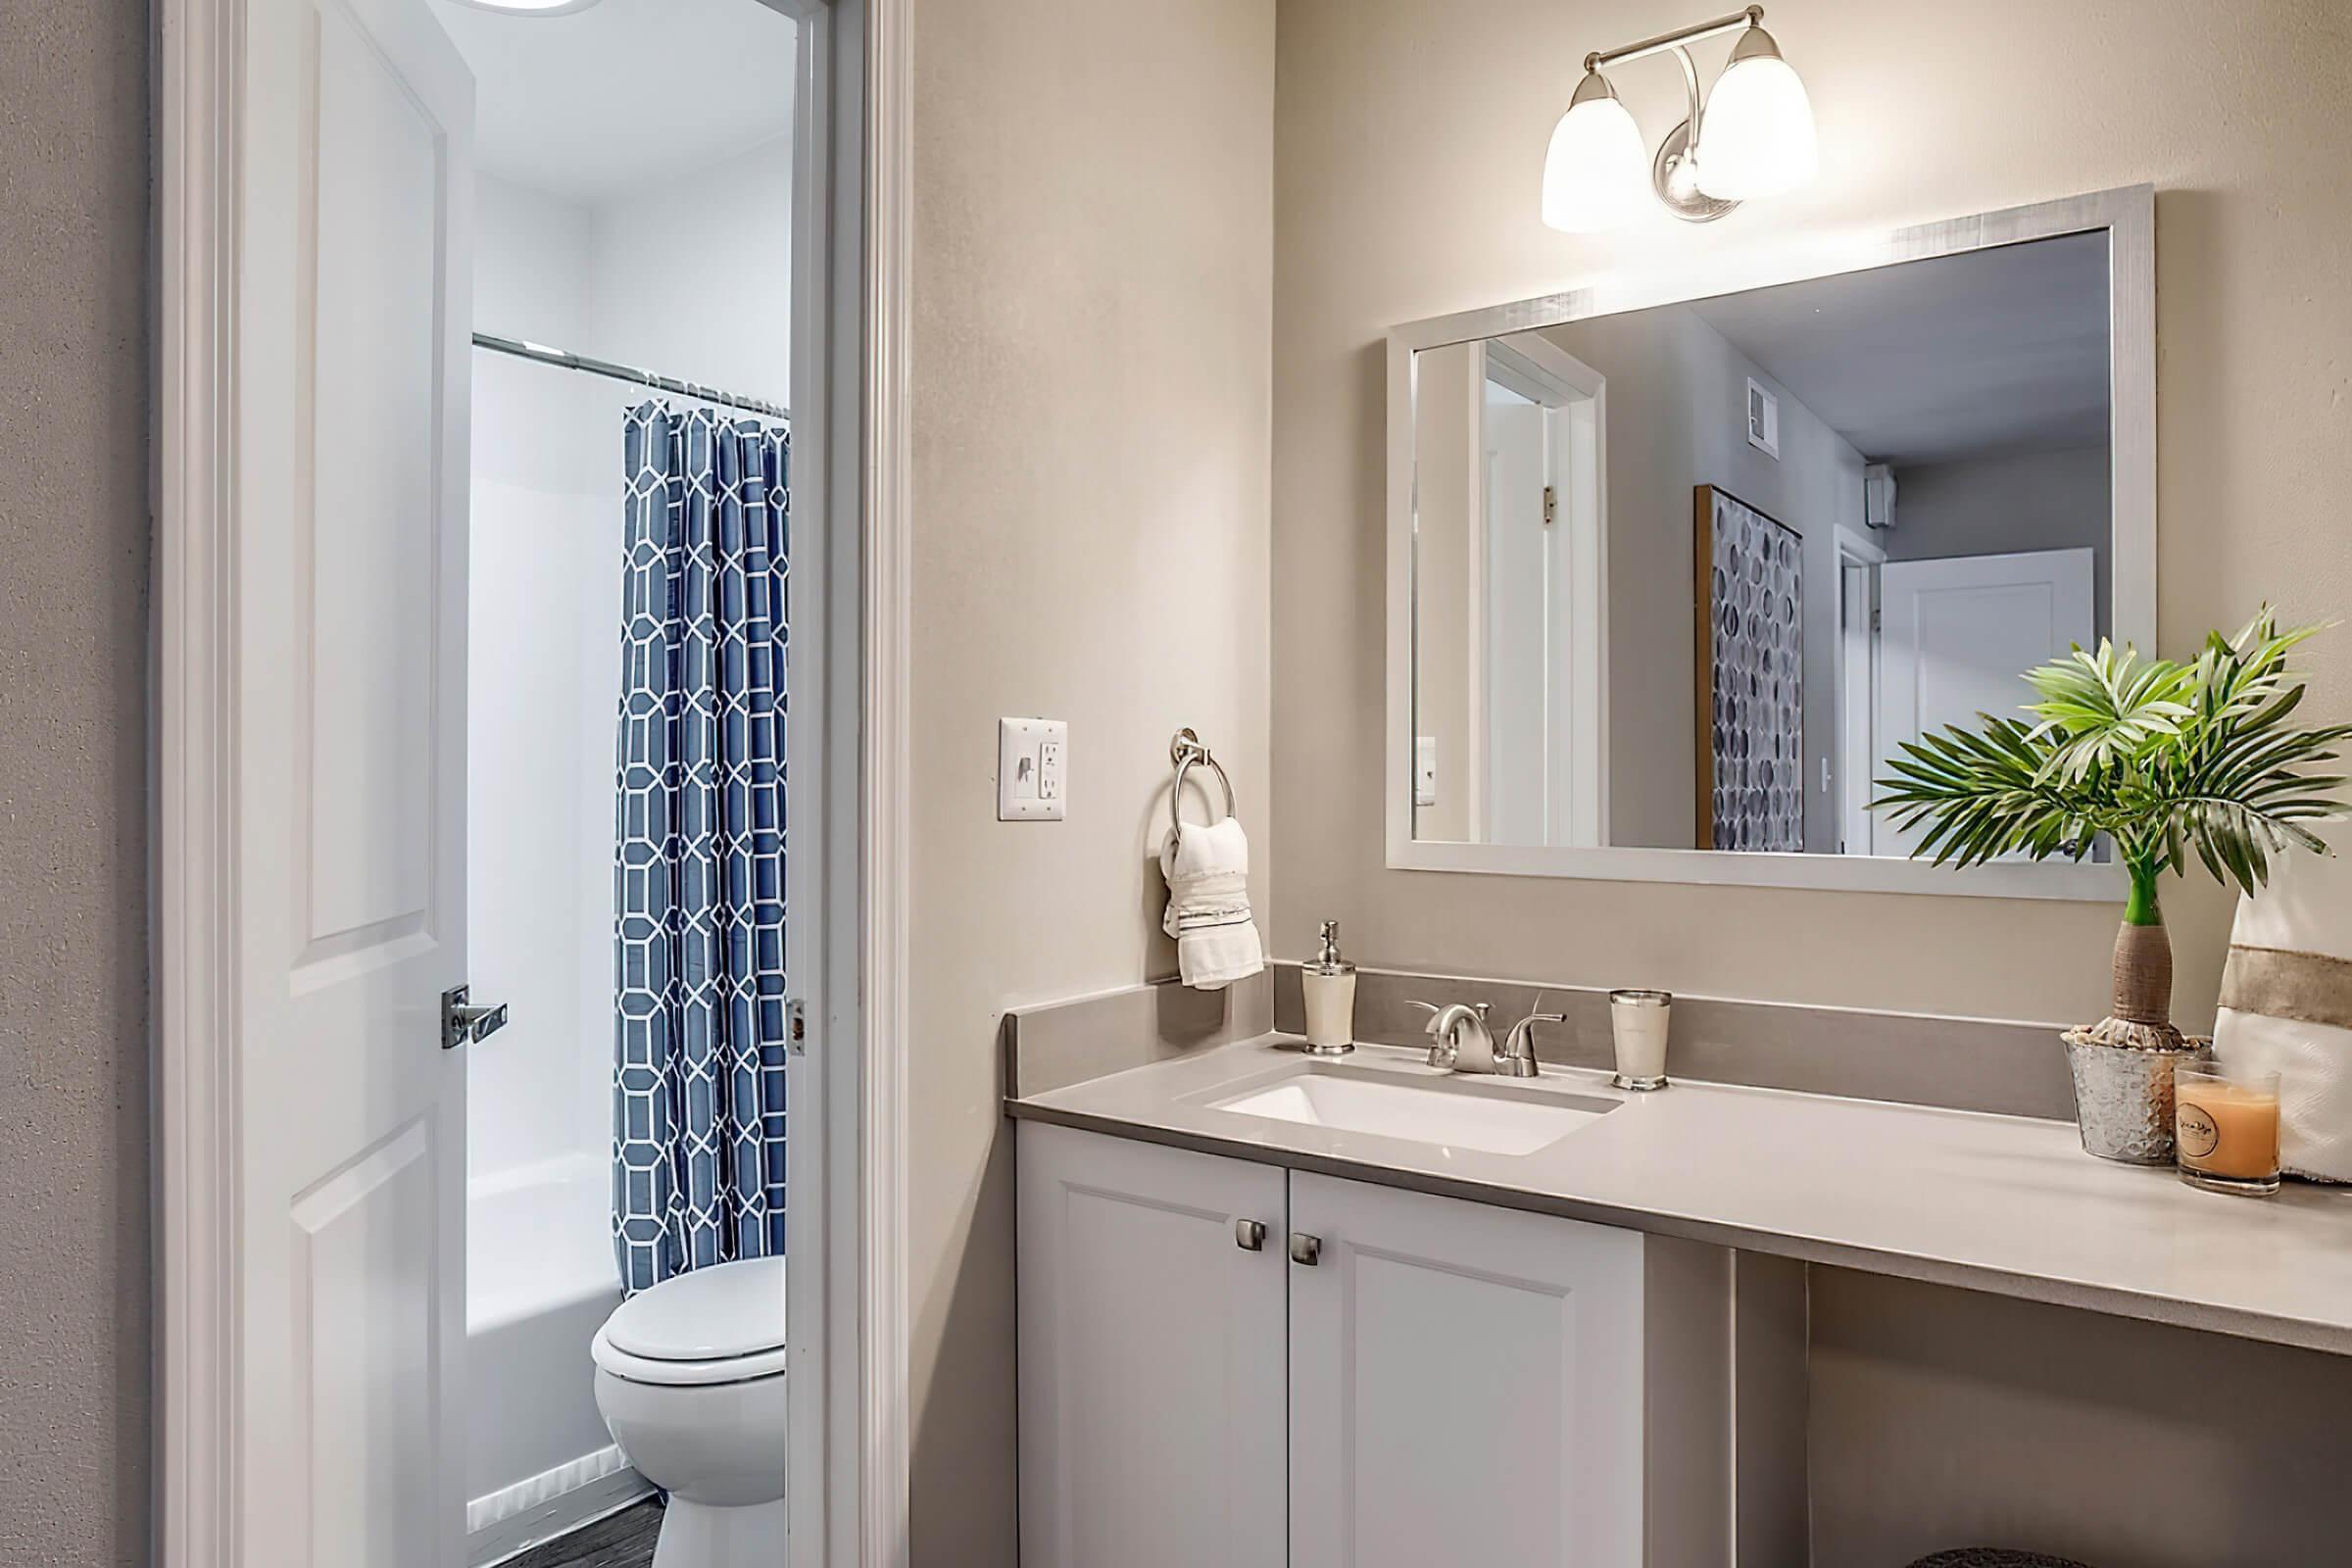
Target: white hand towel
{"points": [[2287, 1004], [1208, 905]]}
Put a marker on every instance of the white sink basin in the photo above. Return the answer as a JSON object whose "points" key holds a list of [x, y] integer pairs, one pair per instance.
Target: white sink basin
{"points": [[1492, 1122]]}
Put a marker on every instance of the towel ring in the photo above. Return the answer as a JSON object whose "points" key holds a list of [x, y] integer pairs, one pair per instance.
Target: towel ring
{"points": [[1184, 750]]}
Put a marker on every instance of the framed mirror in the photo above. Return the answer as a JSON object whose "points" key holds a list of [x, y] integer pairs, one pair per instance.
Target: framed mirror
{"points": [[1676, 564]]}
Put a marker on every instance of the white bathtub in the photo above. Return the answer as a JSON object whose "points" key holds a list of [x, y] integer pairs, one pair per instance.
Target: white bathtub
{"points": [[540, 1282]]}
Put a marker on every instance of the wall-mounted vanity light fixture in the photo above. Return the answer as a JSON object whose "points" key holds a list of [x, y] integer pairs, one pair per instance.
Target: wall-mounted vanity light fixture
{"points": [[1758, 135]]}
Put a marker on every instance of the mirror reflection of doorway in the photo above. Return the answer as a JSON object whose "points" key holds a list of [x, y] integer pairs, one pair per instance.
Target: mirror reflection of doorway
{"points": [[1858, 754], [1926, 644], [1953, 633], [1537, 733]]}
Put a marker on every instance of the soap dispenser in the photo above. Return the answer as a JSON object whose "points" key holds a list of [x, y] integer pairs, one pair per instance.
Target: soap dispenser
{"points": [[1329, 986]]}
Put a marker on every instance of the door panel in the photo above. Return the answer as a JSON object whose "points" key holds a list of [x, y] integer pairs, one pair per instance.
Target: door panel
{"points": [[349, 553], [1465, 1385], [1955, 635], [365, 1348], [1151, 1356], [1512, 724], [376, 213]]}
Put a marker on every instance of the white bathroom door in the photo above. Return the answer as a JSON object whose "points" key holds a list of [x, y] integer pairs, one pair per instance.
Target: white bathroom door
{"points": [[1955, 637], [1513, 728], [347, 573]]}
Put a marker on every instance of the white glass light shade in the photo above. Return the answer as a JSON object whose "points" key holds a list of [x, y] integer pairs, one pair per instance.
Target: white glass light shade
{"points": [[1757, 135], [1595, 175]]}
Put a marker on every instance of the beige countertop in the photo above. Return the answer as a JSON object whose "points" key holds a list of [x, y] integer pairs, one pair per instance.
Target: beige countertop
{"points": [[2001, 1204]]}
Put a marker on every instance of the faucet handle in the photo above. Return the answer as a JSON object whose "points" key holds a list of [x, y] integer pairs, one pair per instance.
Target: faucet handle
{"points": [[1517, 1058]]}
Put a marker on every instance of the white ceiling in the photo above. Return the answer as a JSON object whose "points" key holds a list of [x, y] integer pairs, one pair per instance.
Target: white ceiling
{"points": [[1978, 355], [615, 96]]}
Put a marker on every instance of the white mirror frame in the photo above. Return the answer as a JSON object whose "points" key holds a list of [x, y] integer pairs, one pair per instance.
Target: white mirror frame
{"points": [[2127, 215]]}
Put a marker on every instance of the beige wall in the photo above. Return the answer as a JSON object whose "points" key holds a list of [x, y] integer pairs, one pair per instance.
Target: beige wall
{"points": [[1448, 456], [1410, 144], [1093, 298], [72, 813]]}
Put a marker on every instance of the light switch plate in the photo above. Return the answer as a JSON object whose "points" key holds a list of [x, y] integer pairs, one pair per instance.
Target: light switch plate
{"points": [[1033, 769]]}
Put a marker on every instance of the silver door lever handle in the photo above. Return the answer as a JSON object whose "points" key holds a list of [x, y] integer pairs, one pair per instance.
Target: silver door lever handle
{"points": [[462, 1022]]}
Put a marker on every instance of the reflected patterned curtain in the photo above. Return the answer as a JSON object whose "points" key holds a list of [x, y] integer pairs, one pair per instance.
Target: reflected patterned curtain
{"points": [[699, 1011]]}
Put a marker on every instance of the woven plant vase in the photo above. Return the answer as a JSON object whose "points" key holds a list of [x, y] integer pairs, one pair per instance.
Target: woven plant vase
{"points": [[2123, 1064]]}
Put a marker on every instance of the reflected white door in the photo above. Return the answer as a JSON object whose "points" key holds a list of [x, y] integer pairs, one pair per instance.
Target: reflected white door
{"points": [[1857, 692], [1514, 729], [1956, 635], [347, 572], [1541, 709]]}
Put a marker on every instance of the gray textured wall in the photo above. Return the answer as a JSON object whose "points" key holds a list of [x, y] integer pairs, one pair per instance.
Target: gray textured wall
{"points": [[74, 538]]}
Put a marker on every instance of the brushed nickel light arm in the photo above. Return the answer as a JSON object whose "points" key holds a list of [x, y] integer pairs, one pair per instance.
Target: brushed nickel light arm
{"points": [[1751, 16], [1671, 173]]}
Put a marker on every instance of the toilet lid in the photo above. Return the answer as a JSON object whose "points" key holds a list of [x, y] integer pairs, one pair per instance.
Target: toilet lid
{"points": [[715, 1313]]}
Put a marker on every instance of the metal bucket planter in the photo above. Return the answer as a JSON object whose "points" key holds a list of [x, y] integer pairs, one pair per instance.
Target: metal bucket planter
{"points": [[2124, 1094]]}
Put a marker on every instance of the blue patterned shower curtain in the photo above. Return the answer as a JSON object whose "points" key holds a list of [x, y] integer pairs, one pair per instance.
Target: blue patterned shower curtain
{"points": [[699, 1011]]}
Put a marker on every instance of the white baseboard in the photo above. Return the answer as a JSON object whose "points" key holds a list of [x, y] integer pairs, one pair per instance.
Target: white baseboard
{"points": [[555, 1502]]}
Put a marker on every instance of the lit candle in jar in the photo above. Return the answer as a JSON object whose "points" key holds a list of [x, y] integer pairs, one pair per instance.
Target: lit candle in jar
{"points": [[2226, 1128]]}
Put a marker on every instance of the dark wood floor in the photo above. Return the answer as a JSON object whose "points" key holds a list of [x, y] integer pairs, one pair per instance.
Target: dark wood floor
{"points": [[623, 1540]]}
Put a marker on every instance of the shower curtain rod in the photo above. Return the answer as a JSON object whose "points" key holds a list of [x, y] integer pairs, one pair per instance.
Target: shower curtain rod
{"points": [[625, 372]]}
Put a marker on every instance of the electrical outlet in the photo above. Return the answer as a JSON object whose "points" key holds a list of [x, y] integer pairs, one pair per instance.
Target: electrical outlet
{"points": [[1032, 770]]}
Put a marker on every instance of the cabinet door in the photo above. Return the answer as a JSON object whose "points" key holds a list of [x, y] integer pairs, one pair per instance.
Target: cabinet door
{"points": [[1465, 1385], [1152, 1344]]}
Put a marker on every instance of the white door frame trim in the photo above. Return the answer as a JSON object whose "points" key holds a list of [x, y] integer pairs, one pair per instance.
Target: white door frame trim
{"points": [[886, 1434], [193, 939]]}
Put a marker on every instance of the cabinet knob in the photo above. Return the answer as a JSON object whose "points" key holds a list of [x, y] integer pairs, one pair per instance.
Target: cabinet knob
{"points": [[1249, 1234], [1305, 1248]]}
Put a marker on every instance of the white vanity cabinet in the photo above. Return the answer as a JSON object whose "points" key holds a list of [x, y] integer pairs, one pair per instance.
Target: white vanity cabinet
{"points": [[1477, 1385], [1153, 1396], [1464, 1384]]}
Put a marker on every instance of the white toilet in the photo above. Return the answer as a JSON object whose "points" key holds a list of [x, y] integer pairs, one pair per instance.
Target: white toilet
{"points": [[690, 1377]]}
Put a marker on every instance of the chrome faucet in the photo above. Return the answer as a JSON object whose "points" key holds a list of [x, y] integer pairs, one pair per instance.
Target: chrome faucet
{"points": [[1461, 1042], [1455, 1030], [1517, 1058]]}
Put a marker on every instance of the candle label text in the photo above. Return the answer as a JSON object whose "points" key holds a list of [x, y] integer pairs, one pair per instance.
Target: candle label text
{"points": [[2197, 1132]]}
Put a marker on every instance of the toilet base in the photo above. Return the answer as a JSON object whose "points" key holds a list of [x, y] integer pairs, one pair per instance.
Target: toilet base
{"points": [[696, 1534]]}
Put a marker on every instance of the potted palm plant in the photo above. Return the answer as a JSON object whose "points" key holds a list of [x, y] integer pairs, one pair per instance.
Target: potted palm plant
{"points": [[2168, 764]]}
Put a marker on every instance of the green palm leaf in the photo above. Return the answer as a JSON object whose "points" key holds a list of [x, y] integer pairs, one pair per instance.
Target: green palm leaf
{"points": [[2170, 761]]}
